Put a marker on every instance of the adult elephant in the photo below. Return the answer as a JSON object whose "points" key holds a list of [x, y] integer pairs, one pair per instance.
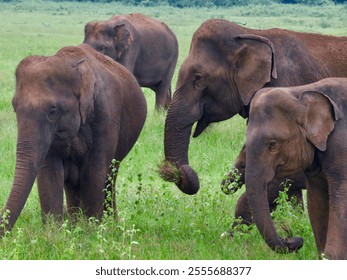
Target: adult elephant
{"points": [[301, 129], [226, 65], [76, 111], [145, 46]]}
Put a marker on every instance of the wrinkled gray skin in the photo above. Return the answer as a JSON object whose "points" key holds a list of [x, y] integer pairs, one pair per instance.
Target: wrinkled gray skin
{"points": [[301, 129], [236, 178], [145, 46], [76, 111], [226, 65]]}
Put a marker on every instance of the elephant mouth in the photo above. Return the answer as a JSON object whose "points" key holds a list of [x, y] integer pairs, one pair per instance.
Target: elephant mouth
{"points": [[201, 126], [62, 134]]}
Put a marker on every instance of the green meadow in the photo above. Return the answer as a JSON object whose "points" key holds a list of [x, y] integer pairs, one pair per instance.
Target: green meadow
{"points": [[156, 221]]}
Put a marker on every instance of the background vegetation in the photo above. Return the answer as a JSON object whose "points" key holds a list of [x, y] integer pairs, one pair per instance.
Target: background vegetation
{"points": [[202, 3], [156, 220]]}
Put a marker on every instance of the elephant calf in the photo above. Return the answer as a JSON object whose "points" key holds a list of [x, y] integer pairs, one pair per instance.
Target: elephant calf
{"points": [[76, 111], [297, 129], [236, 178], [145, 46]]}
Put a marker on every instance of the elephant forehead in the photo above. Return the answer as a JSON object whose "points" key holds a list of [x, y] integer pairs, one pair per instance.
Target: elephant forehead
{"points": [[39, 67], [54, 70], [101, 30], [202, 62], [274, 101], [37, 88], [32, 99]]}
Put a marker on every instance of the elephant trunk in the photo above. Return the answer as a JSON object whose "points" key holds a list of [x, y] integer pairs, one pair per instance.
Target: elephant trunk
{"points": [[257, 180], [176, 142], [29, 156]]}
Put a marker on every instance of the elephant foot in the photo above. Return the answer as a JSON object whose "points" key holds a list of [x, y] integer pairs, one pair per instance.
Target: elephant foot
{"points": [[287, 245], [294, 243]]}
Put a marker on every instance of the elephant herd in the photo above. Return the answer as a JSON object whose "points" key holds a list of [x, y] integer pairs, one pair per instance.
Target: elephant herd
{"points": [[83, 107]]}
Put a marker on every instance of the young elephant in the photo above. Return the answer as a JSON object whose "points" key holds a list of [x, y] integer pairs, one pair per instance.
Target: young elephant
{"points": [[145, 46], [236, 178], [301, 129], [76, 111]]}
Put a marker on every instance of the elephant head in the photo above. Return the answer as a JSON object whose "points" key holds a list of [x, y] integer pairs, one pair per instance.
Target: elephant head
{"points": [[53, 98], [286, 126], [112, 37], [217, 80]]}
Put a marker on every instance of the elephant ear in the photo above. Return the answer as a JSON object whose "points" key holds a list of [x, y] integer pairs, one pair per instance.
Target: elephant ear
{"points": [[321, 113], [86, 89], [255, 65], [123, 39]]}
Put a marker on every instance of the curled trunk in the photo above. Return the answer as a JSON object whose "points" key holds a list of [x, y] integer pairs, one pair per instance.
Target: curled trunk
{"points": [[176, 143]]}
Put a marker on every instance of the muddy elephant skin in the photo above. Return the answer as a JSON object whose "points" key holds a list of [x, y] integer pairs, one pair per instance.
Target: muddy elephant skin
{"points": [[76, 111], [301, 129], [226, 65], [145, 46]]}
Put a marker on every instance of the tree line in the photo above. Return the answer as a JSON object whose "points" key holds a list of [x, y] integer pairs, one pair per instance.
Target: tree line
{"points": [[204, 3]]}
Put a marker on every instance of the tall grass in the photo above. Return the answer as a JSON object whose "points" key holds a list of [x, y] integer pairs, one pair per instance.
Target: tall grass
{"points": [[156, 220]]}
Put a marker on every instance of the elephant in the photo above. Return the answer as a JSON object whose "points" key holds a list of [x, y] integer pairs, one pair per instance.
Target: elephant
{"points": [[226, 65], [236, 177], [145, 46], [76, 111], [301, 129]]}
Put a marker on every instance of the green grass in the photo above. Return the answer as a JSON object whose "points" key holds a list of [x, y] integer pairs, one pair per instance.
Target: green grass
{"points": [[156, 220]]}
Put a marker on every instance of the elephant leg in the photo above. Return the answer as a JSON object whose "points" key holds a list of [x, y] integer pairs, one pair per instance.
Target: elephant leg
{"points": [[92, 194], [243, 214], [163, 90], [336, 242], [72, 191], [318, 210], [295, 196], [50, 183], [92, 182], [272, 194], [162, 96], [72, 199]]}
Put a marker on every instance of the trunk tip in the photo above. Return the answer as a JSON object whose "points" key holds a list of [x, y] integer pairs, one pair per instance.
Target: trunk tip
{"points": [[169, 172], [184, 177], [189, 183]]}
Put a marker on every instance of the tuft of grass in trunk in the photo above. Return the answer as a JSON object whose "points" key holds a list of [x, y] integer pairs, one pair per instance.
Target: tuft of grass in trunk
{"points": [[169, 172]]}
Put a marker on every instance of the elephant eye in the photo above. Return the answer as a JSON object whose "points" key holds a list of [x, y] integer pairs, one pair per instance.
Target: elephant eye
{"points": [[272, 145], [53, 113], [102, 49], [200, 82]]}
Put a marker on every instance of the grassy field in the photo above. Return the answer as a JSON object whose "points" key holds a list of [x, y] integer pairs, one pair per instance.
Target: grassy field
{"points": [[157, 221]]}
